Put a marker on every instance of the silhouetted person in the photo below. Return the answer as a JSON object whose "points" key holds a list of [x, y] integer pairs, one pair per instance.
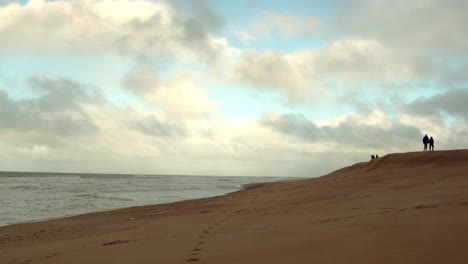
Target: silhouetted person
{"points": [[372, 157], [376, 156], [425, 142], [431, 144]]}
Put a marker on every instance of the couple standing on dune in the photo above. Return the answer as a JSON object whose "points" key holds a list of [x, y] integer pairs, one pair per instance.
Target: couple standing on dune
{"points": [[429, 141]]}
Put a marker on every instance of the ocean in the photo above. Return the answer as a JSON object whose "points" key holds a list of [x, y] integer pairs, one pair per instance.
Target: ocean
{"points": [[29, 196]]}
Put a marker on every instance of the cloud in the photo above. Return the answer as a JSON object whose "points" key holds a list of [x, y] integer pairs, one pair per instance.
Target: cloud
{"points": [[288, 24], [178, 96], [269, 23], [363, 45], [141, 80], [275, 71], [56, 111], [359, 59], [350, 133], [151, 125], [307, 73], [430, 27], [434, 39], [449, 103], [142, 28], [292, 124]]}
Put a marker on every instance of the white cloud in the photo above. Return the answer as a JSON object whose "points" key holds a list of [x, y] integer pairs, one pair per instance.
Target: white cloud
{"points": [[276, 71], [179, 96], [142, 28], [304, 74], [360, 59]]}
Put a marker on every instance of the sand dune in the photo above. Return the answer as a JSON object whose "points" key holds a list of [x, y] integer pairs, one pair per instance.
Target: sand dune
{"points": [[401, 208]]}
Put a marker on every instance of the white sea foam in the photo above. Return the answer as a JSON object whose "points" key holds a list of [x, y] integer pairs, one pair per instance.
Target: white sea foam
{"points": [[28, 197]]}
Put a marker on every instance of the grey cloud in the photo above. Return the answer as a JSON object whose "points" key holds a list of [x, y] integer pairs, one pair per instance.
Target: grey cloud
{"points": [[348, 133], [426, 38], [193, 23], [454, 75], [168, 32], [361, 59], [289, 75], [261, 69], [57, 111], [150, 39], [61, 94], [152, 126], [425, 26], [204, 14], [295, 125], [198, 22], [452, 102], [198, 18], [141, 80]]}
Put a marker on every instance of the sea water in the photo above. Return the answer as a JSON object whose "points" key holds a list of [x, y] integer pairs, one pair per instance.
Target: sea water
{"points": [[29, 196]]}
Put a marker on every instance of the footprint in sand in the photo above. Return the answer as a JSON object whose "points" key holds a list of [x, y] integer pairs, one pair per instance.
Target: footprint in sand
{"points": [[53, 255], [194, 256]]}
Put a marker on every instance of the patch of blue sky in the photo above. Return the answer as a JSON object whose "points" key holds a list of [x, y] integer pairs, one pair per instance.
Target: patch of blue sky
{"points": [[16, 88], [82, 67], [6, 2], [244, 103], [14, 84], [96, 70], [305, 8], [247, 10], [240, 16]]}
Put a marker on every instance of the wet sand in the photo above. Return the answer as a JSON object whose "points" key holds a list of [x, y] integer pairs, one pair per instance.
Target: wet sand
{"points": [[401, 208]]}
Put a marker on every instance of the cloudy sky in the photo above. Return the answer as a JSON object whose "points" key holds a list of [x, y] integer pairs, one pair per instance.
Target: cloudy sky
{"points": [[268, 88]]}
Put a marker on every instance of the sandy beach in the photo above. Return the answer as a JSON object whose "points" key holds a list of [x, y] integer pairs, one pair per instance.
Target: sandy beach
{"points": [[400, 208]]}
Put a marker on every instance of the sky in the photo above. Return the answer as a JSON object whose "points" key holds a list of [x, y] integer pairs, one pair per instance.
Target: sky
{"points": [[241, 88]]}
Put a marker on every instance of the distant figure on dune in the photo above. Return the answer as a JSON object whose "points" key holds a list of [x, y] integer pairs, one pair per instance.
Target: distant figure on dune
{"points": [[376, 156], [372, 157], [425, 142], [431, 144]]}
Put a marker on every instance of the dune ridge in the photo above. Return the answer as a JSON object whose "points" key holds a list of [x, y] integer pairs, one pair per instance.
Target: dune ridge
{"points": [[400, 208]]}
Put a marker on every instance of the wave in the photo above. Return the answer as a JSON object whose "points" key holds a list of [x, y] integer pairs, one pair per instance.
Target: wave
{"points": [[33, 196]]}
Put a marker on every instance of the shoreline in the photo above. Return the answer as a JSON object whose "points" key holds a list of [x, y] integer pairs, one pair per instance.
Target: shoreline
{"points": [[242, 187], [116, 209], [109, 199]]}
